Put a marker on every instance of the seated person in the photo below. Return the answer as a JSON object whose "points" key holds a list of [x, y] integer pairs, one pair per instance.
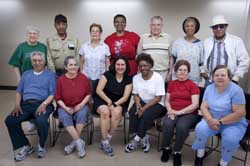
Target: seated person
{"points": [[113, 92], [34, 95], [149, 92], [223, 110], [72, 97], [182, 102]]}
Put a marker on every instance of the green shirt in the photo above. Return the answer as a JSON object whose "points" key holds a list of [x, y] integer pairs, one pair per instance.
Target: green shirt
{"points": [[21, 57]]}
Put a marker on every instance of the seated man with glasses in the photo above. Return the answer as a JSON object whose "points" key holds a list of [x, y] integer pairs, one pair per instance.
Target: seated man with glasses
{"points": [[224, 49], [34, 95]]}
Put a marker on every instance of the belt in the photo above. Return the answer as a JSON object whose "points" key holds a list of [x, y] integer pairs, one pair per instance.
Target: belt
{"points": [[33, 101]]}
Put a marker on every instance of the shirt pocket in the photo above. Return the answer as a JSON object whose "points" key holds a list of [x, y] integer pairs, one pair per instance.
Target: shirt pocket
{"points": [[56, 50]]}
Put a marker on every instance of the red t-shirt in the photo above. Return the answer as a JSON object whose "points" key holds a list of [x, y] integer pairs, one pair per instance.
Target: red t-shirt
{"points": [[124, 45], [181, 93], [72, 91]]}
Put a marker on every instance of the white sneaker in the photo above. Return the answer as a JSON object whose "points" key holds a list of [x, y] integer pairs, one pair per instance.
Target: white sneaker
{"points": [[70, 148], [145, 143], [25, 151], [31, 126], [41, 152], [80, 146]]}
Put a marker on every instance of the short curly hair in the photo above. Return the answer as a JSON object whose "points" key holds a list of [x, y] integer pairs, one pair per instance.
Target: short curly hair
{"points": [[145, 57]]}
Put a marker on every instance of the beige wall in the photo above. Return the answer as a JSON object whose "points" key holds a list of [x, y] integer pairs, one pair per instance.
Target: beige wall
{"points": [[15, 15]]}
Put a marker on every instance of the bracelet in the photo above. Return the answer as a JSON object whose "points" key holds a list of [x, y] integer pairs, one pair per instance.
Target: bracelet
{"points": [[114, 104], [45, 103]]}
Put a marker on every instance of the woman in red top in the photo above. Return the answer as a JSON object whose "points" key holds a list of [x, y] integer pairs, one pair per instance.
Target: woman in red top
{"points": [[72, 96], [182, 102], [123, 42]]}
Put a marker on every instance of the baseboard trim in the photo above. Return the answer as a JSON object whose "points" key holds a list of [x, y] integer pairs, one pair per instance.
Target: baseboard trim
{"points": [[8, 87]]}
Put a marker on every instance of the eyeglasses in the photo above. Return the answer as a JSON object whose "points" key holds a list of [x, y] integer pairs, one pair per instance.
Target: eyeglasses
{"points": [[221, 26]]}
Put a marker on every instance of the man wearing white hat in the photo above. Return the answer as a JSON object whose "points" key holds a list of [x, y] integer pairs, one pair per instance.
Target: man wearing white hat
{"points": [[224, 49]]}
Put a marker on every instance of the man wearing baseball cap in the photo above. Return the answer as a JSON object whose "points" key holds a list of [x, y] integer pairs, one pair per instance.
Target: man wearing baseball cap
{"points": [[224, 49], [60, 45]]}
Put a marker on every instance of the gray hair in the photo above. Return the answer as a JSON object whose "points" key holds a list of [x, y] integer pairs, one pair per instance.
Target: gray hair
{"points": [[157, 18], [66, 60], [31, 28], [34, 53]]}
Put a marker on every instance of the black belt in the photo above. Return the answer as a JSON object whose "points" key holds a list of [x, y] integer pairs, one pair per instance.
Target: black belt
{"points": [[33, 101]]}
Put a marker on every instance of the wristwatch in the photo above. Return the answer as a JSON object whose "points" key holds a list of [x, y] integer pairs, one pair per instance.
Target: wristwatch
{"points": [[220, 122]]}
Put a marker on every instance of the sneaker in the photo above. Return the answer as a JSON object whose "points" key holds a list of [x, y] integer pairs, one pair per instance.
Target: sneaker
{"points": [[41, 152], [107, 148], [25, 151], [177, 159], [31, 126], [165, 154], [80, 146], [70, 148], [145, 144], [199, 160], [131, 146]]}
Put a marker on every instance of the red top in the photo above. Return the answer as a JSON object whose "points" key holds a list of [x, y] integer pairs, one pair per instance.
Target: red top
{"points": [[72, 91], [181, 93], [124, 45]]}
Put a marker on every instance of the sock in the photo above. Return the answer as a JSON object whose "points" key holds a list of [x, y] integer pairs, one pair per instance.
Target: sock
{"points": [[137, 138], [105, 141], [167, 148], [177, 152], [223, 163], [109, 137], [200, 153]]}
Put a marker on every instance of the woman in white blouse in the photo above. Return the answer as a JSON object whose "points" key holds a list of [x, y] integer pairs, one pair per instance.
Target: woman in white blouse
{"points": [[94, 56]]}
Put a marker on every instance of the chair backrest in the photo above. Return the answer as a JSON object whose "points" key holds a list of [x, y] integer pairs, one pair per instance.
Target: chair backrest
{"points": [[247, 96]]}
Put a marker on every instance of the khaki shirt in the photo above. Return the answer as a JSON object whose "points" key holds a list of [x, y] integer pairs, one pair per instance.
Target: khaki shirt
{"points": [[59, 49], [158, 48]]}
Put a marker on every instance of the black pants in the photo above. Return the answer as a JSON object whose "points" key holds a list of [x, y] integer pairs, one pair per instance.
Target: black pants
{"points": [[181, 124], [146, 121], [13, 124]]}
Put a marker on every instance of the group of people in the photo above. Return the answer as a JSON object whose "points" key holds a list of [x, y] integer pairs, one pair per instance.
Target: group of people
{"points": [[161, 75]]}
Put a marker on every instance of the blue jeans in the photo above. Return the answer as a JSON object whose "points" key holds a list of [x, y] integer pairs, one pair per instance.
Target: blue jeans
{"points": [[14, 126]]}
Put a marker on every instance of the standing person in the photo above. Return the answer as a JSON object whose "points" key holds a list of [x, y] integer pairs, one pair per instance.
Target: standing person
{"points": [[94, 56], [224, 49], [190, 48], [223, 110], [149, 92], [157, 44], [60, 45], [72, 96], [113, 92], [182, 102], [20, 59], [123, 42], [34, 95]]}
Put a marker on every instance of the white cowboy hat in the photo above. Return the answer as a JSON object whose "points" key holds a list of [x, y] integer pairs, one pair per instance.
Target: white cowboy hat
{"points": [[218, 19]]}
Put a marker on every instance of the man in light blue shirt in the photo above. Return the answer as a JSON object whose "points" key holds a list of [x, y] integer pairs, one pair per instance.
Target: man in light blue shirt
{"points": [[34, 95]]}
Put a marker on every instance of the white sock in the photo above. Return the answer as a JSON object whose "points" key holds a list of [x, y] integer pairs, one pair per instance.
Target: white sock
{"points": [[200, 153], [177, 152], [109, 136], [137, 138], [223, 163], [167, 148], [105, 141]]}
